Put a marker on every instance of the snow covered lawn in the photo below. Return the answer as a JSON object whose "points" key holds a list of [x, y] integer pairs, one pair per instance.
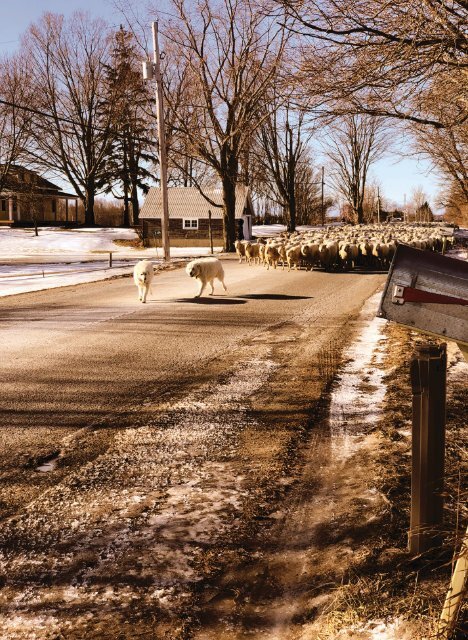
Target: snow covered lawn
{"points": [[61, 257]]}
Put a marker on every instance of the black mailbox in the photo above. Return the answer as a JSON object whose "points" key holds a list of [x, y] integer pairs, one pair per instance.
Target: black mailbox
{"points": [[429, 292]]}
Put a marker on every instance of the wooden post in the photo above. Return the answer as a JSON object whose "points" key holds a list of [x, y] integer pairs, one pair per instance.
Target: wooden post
{"points": [[210, 230], [428, 379], [110, 259], [456, 593], [459, 581]]}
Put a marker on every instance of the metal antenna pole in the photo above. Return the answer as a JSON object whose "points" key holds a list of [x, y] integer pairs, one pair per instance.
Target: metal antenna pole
{"points": [[162, 144]]}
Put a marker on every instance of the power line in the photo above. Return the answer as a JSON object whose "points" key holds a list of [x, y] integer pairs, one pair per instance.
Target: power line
{"points": [[58, 118]]}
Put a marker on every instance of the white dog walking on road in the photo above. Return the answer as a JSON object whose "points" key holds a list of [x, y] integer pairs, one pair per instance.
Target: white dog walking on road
{"points": [[205, 270], [143, 275]]}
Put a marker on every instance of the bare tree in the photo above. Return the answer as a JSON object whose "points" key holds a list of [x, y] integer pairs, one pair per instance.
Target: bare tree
{"points": [[68, 59], [378, 58], [355, 143], [15, 120], [228, 54], [282, 154], [456, 205], [446, 147]]}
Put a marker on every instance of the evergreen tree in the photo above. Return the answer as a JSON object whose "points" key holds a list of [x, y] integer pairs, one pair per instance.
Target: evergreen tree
{"points": [[130, 152]]}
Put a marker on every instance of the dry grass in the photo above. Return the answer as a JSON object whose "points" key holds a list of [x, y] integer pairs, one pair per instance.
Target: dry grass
{"points": [[389, 584], [135, 243]]}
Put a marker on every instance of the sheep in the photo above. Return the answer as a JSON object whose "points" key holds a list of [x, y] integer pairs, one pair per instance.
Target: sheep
{"points": [[240, 249], [252, 252], [310, 254], [293, 256], [348, 246], [143, 274], [328, 255], [271, 256]]}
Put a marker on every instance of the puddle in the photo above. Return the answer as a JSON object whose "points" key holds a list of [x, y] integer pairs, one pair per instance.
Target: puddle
{"points": [[356, 398], [49, 464]]}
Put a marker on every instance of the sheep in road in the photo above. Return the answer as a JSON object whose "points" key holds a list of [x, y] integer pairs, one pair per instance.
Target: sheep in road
{"points": [[293, 256], [252, 252], [240, 249], [272, 256]]}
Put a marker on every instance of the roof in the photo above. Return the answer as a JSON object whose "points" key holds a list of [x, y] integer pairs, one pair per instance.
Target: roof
{"points": [[187, 202], [18, 180]]}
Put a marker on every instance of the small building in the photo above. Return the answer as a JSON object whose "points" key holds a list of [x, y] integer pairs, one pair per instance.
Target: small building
{"points": [[189, 217], [27, 197]]}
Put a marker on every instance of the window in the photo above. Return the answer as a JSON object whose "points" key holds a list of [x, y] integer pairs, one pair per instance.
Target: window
{"points": [[3, 207], [190, 223]]}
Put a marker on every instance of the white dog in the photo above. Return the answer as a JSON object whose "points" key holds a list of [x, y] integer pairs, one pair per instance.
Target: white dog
{"points": [[206, 270], [143, 275]]}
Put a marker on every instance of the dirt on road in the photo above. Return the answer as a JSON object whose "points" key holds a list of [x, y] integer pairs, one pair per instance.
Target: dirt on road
{"points": [[257, 504]]}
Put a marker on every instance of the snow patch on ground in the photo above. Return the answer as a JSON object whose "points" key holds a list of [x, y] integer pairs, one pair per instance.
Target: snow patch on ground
{"points": [[398, 629], [357, 396]]}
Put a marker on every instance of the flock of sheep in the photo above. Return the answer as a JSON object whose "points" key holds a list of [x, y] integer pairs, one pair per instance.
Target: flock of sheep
{"points": [[369, 246]]}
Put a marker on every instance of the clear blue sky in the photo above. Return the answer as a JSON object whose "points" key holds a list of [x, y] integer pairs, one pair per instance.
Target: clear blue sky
{"points": [[396, 179]]}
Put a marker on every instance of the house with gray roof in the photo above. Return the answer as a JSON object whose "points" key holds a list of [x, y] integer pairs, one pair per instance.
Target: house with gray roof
{"points": [[189, 215]]}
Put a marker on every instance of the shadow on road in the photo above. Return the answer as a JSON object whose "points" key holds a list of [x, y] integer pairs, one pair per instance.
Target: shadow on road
{"points": [[212, 300], [274, 296]]}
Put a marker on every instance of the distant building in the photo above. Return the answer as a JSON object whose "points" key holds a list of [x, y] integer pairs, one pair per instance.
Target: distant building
{"points": [[26, 197], [189, 217]]}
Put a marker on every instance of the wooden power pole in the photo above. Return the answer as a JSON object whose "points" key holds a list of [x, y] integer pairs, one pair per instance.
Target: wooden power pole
{"points": [[162, 144]]}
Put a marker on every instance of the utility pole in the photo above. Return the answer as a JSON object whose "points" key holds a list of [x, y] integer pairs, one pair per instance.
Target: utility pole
{"points": [[162, 144], [323, 203], [378, 205]]}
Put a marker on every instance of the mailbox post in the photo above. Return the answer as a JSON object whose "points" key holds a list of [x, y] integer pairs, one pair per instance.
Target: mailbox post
{"points": [[429, 292], [428, 380]]}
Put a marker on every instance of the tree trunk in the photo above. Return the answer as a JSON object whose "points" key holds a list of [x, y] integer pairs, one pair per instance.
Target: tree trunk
{"points": [[89, 204], [126, 215], [292, 206], [229, 214], [135, 204]]}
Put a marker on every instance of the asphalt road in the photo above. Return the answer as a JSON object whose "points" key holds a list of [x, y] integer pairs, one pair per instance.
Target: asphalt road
{"points": [[89, 355], [85, 369]]}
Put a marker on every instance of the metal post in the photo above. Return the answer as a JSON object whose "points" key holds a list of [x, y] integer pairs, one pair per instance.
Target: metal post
{"points": [[428, 379], [323, 204], [210, 230], [162, 144], [378, 206]]}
